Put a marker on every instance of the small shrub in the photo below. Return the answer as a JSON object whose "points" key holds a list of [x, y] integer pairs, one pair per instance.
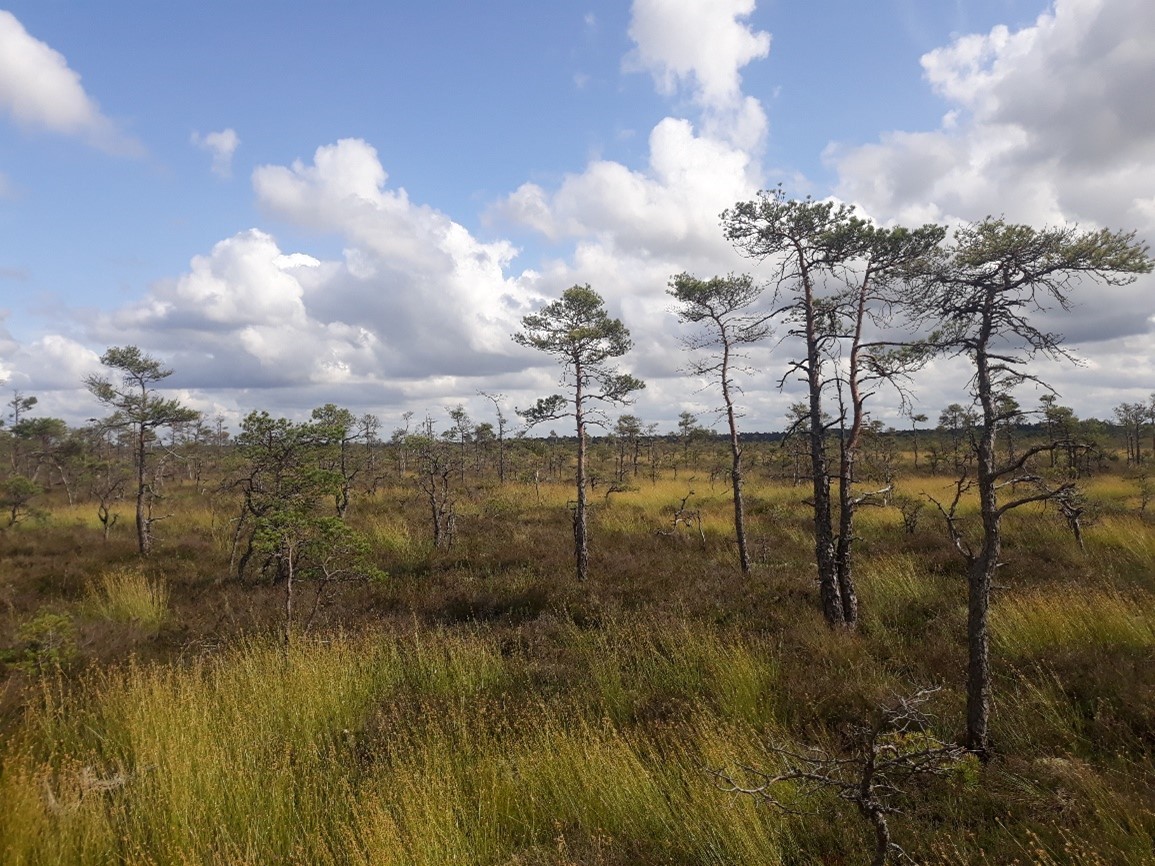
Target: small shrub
{"points": [[48, 642]]}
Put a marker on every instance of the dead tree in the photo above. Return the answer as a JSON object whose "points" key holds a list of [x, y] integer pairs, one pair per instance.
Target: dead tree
{"points": [[434, 469], [892, 749], [684, 516]]}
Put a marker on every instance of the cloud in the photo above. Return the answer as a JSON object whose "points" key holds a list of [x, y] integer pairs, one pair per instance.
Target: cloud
{"points": [[1052, 122], [40, 91], [222, 145], [416, 308], [52, 362], [667, 210], [702, 45], [1049, 124], [632, 228], [52, 368], [414, 300], [400, 255]]}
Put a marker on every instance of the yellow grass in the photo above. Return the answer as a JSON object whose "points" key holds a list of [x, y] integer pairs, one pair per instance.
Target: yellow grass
{"points": [[385, 750], [127, 595], [1031, 623], [1128, 539]]}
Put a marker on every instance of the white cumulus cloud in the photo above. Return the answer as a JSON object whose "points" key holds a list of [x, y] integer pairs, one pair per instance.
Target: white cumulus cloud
{"points": [[51, 362], [414, 299], [702, 45], [408, 256], [668, 210], [38, 89], [1049, 124]]}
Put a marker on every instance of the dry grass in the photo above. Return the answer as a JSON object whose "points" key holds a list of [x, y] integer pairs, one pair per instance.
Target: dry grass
{"points": [[480, 707], [127, 595], [379, 750]]}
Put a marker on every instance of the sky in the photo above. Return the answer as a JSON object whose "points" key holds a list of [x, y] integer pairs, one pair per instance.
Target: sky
{"points": [[295, 203]]}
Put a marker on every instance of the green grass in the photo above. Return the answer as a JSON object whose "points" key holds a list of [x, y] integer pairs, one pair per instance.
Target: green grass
{"points": [[1032, 624], [377, 750]]}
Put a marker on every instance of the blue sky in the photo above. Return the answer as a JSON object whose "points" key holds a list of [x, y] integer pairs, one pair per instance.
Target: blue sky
{"points": [[295, 203]]}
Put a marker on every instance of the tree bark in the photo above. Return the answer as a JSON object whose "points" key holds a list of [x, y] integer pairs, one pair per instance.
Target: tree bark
{"points": [[843, 549], [143, 530], [847, 454], [580, 537], [986, 563], [735, 460], [979, 657], [820, 478]]}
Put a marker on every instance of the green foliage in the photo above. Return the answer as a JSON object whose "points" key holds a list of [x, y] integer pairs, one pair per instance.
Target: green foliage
{"points": [[545, 409], [288, 474], [766, 225], [137, 406], [40, 429], [16, 495], [720, 300], [575, 327], [48, 642], [580, 335], [980, 288], [135, 402]]}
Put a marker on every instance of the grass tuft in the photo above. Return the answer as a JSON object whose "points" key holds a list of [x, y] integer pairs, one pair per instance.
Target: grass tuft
{"points": [[127, 595]]}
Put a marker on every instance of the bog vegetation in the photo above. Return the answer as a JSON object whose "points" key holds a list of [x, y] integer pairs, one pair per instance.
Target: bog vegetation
{"points": [[317, 642]]}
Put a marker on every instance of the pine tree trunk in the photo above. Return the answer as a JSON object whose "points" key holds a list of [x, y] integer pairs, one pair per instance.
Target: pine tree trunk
{"points": [[580, 537], [984, 566], [143, 530], [735, 463], [739, 506], [843, 551], [823, 527], [978, 657]]}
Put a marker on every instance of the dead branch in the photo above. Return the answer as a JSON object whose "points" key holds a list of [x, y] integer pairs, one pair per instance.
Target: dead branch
{"points": [[894, 747]]}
